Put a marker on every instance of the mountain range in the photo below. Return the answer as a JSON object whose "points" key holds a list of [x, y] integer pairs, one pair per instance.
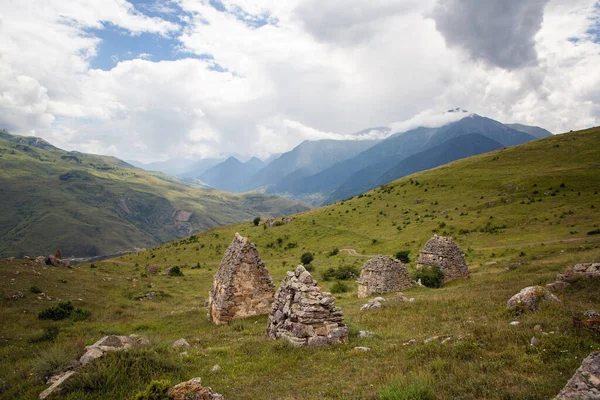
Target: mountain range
{"points": [[324, 171], [90, 205]]}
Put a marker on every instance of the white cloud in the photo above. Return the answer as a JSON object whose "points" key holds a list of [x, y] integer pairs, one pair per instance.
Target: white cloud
{"points": [[304, 76]]}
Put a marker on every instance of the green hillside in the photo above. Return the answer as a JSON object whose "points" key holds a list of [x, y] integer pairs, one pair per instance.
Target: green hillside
{"points": [[90, 205], [535, 204]]}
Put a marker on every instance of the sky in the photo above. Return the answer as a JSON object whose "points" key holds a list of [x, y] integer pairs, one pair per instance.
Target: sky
{"points": [[189, 79]]}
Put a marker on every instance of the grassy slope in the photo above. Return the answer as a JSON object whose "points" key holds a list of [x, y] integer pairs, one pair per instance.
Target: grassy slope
{"points": [[491, 360], [42, 208]]}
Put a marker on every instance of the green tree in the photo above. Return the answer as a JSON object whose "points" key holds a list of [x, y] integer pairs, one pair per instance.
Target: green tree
{"points": [[256, 221], [402, 255]]}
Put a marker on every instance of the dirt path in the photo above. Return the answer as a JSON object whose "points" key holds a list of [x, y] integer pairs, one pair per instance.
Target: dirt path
{"points": [[353, 253]]}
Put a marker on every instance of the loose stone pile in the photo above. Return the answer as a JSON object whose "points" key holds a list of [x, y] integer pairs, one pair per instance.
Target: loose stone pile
{"points": [[383, 275], [242, 286], [585, 383], [442, 252], [303, 315]]}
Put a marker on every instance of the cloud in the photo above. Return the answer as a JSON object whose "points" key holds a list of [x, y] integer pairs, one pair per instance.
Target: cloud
{"points": [[350, 22], [430, 119], [254, 88], [500, 33]]}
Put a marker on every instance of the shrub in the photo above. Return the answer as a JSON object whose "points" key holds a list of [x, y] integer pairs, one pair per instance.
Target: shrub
{"points": [[306, 258], [256, 221], [61, 311], [309, 267], [156, 390], [176, 271], [596, 232], [402, 255], [64, 310], [432, 277], [340, 287], [343, 273], [197, 266], [334, 252], [35, 289]]}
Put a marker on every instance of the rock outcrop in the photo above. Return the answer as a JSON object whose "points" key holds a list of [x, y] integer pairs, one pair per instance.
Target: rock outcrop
{"points": [[52, 260], [303, 315], [193, 390], [584, 269], [383, 275], [442, 252], [242, 286], [531, 297], [585, 384]]}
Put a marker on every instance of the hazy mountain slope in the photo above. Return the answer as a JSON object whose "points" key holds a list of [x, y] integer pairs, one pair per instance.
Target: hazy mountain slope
{"points": [[231, 175], [94, 205], [310, 157], [196, 169], [532, 130], [171, 167], [390, 169], [329, 179], [364, 168]]}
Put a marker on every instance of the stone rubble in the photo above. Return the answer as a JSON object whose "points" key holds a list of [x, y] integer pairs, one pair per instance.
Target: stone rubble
{"points": [[442, 252], [303, 315], [383, 275], [585, 383], [179, 343], [242, 286]]}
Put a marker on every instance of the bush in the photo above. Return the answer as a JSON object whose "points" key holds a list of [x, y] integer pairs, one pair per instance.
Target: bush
{"points": [[64, 310], [432, 277], [402, 255], [340, 287], [197, 266], [156, 390], [309, 267], [306, 258], [334, 252], [342, 273], [176, 271], [61, 311], [256, 221], [35, 289], [596, 232]]}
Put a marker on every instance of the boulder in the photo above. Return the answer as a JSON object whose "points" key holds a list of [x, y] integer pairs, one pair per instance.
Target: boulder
{"points": [[111, 343], [442, 252], [193, 390], [531, 297], [585, 384], [303, 315], [55, 262], [383, 275], [152, 269], [179, 343], [242, 287]]}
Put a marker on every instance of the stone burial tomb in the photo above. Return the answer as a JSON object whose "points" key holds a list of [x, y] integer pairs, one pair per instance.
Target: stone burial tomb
{"points": [[442, 252], [303, 315], [242, 287], [383, 275]]}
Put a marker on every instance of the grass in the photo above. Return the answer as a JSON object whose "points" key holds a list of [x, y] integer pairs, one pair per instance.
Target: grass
{"points": [[485, 357]]}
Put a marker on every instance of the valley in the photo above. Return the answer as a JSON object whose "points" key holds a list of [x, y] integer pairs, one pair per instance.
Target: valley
{"points": [[521, 215]]}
